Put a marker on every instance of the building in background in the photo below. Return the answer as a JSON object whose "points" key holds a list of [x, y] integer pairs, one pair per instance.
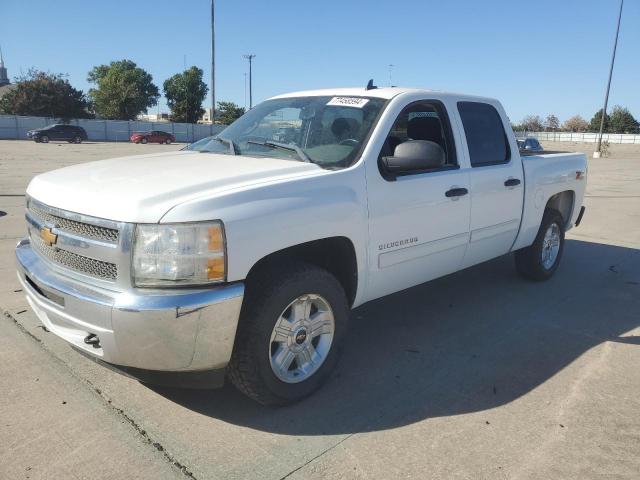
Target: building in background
{"points": [[206, 116], [4, 79], [154, 117], [5, 83]]}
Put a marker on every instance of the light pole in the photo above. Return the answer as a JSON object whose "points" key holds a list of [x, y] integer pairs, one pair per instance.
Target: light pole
{"points": [[250, 57], [597, 153], [213, 62], [245, 90], [391, 65]]}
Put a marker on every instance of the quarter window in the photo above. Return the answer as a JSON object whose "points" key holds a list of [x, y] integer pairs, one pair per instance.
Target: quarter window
{"points": [[485, 134]]}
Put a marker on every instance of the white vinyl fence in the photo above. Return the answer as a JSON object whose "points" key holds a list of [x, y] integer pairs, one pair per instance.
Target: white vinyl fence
{"points": [[581, 137], [16, 127]]}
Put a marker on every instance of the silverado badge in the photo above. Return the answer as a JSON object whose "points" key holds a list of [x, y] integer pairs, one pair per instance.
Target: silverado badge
{"points": [[48, 237]]}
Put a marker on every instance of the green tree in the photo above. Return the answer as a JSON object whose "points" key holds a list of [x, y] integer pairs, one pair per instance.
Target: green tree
{"points": [[594, 124], [123, 90], [228, 112], [45, 94], [185, 93], [621, 121], [552, 123]]}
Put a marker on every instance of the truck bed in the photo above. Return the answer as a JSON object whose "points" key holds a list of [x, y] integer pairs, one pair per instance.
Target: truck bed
{"points": [[548, 174]]}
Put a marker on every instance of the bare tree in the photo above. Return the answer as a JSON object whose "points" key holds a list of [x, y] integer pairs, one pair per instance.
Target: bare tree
{"points": [[575, 124], [532, 123]]}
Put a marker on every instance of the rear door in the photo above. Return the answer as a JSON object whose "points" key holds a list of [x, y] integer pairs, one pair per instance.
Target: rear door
{"points": [[496, 179], [67, 132], [55, 132]]}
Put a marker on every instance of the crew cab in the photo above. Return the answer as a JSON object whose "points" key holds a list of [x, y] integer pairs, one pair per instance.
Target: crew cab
{"points": [[241, 256]]}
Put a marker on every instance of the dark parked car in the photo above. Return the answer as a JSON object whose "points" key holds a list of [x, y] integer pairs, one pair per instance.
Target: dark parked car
{"points": [[153, 136], [69, 133], [530, 145]]}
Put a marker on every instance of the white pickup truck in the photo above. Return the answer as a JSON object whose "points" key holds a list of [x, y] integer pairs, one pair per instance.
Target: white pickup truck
{"points": [[242, 255]]}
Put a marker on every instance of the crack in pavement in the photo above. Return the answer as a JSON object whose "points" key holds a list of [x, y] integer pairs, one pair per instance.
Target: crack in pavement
{"points": [[147, 439], [318, 456]]}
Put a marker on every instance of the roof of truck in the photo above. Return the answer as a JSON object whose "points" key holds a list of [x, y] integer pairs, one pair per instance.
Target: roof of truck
{"points": [[381, 92]]}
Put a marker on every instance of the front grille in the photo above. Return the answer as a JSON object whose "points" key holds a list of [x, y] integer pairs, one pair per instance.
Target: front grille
{"points": [[79, 228], [73, 261]]}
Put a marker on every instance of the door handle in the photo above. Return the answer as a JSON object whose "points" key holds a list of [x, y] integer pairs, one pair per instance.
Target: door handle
{"points": [[456, 192], [511, 182]]}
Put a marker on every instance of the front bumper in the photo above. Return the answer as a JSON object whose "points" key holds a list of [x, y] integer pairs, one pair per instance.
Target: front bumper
{"points": [[178, 330]]}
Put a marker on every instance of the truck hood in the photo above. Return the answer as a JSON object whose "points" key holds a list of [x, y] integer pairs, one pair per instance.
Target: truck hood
{"points": [[143, 188]]}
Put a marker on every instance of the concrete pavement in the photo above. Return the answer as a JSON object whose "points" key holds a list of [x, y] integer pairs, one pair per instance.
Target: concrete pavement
{"points": [[476, 375]]}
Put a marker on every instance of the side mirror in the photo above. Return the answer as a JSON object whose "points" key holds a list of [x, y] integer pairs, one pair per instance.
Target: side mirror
{"points": [[414, 155]]}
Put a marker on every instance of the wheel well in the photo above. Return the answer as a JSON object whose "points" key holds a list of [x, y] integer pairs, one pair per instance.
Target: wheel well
{"points": [[563, 203], [335, 254]]}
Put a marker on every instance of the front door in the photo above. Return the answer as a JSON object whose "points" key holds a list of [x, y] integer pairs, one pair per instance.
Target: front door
{"points": [[418, 221]]}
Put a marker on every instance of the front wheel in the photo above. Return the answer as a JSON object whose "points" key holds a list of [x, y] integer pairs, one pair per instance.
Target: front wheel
{"points": [[44, 139], [540, 260], [290, 333], [144, 140]]}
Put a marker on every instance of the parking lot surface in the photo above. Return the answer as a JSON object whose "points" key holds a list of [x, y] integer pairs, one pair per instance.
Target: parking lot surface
{"points": [[478, 375]]}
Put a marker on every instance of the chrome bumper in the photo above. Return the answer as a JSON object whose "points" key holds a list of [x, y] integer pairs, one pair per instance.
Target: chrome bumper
{"points": [[166, 330]]}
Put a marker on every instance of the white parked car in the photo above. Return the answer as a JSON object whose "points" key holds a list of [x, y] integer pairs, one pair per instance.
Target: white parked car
{"points": [[242, 256]]}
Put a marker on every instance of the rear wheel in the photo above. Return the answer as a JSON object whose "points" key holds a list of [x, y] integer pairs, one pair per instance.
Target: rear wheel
{"points": [[168, 141], [540, 260], [77, 139], [290, 332]]}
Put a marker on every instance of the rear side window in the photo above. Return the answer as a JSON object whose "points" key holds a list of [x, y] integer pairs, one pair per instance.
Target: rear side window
{"points": [[485, 134]]}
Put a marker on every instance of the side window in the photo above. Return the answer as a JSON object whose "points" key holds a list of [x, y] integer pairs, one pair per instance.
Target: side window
{"points": [[427, 123], [485, 134]]}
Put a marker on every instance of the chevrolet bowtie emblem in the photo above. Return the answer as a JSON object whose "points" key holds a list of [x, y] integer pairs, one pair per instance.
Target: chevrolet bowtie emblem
{"points": [[48, 237]]}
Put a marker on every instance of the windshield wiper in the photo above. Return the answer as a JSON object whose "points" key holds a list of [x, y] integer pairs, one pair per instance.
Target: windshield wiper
{"points": [[291, 147], [232, 147]]}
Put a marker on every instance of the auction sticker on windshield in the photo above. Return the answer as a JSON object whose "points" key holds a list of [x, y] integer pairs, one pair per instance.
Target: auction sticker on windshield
{"points": [[355, 102]]}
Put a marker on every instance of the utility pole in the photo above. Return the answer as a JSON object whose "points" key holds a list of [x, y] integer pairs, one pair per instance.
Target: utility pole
{"points": [[250, 57], [391, 65], [245, 91], [213, 62], [597, 153]]}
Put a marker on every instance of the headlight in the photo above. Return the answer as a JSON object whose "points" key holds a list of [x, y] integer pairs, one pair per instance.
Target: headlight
{"points": [[179, 254]]}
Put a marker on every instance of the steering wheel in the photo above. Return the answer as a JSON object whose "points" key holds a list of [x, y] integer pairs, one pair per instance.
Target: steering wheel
{"points": [[349, 141]]}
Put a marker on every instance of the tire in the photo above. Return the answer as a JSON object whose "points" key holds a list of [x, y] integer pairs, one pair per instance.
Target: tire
{"points": [[44, 139], [540, 260], [268, 300], [77, 139], [144, 140], [168, 141]]}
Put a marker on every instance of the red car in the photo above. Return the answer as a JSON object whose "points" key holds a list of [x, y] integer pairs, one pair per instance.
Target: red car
{"points": [[153, 136]]}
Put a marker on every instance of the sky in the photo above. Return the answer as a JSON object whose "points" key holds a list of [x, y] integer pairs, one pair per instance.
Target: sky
{"points": [[537, 57]]}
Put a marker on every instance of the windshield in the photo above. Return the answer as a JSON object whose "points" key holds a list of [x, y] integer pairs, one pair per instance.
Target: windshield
{"points": [[328, 131]]}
